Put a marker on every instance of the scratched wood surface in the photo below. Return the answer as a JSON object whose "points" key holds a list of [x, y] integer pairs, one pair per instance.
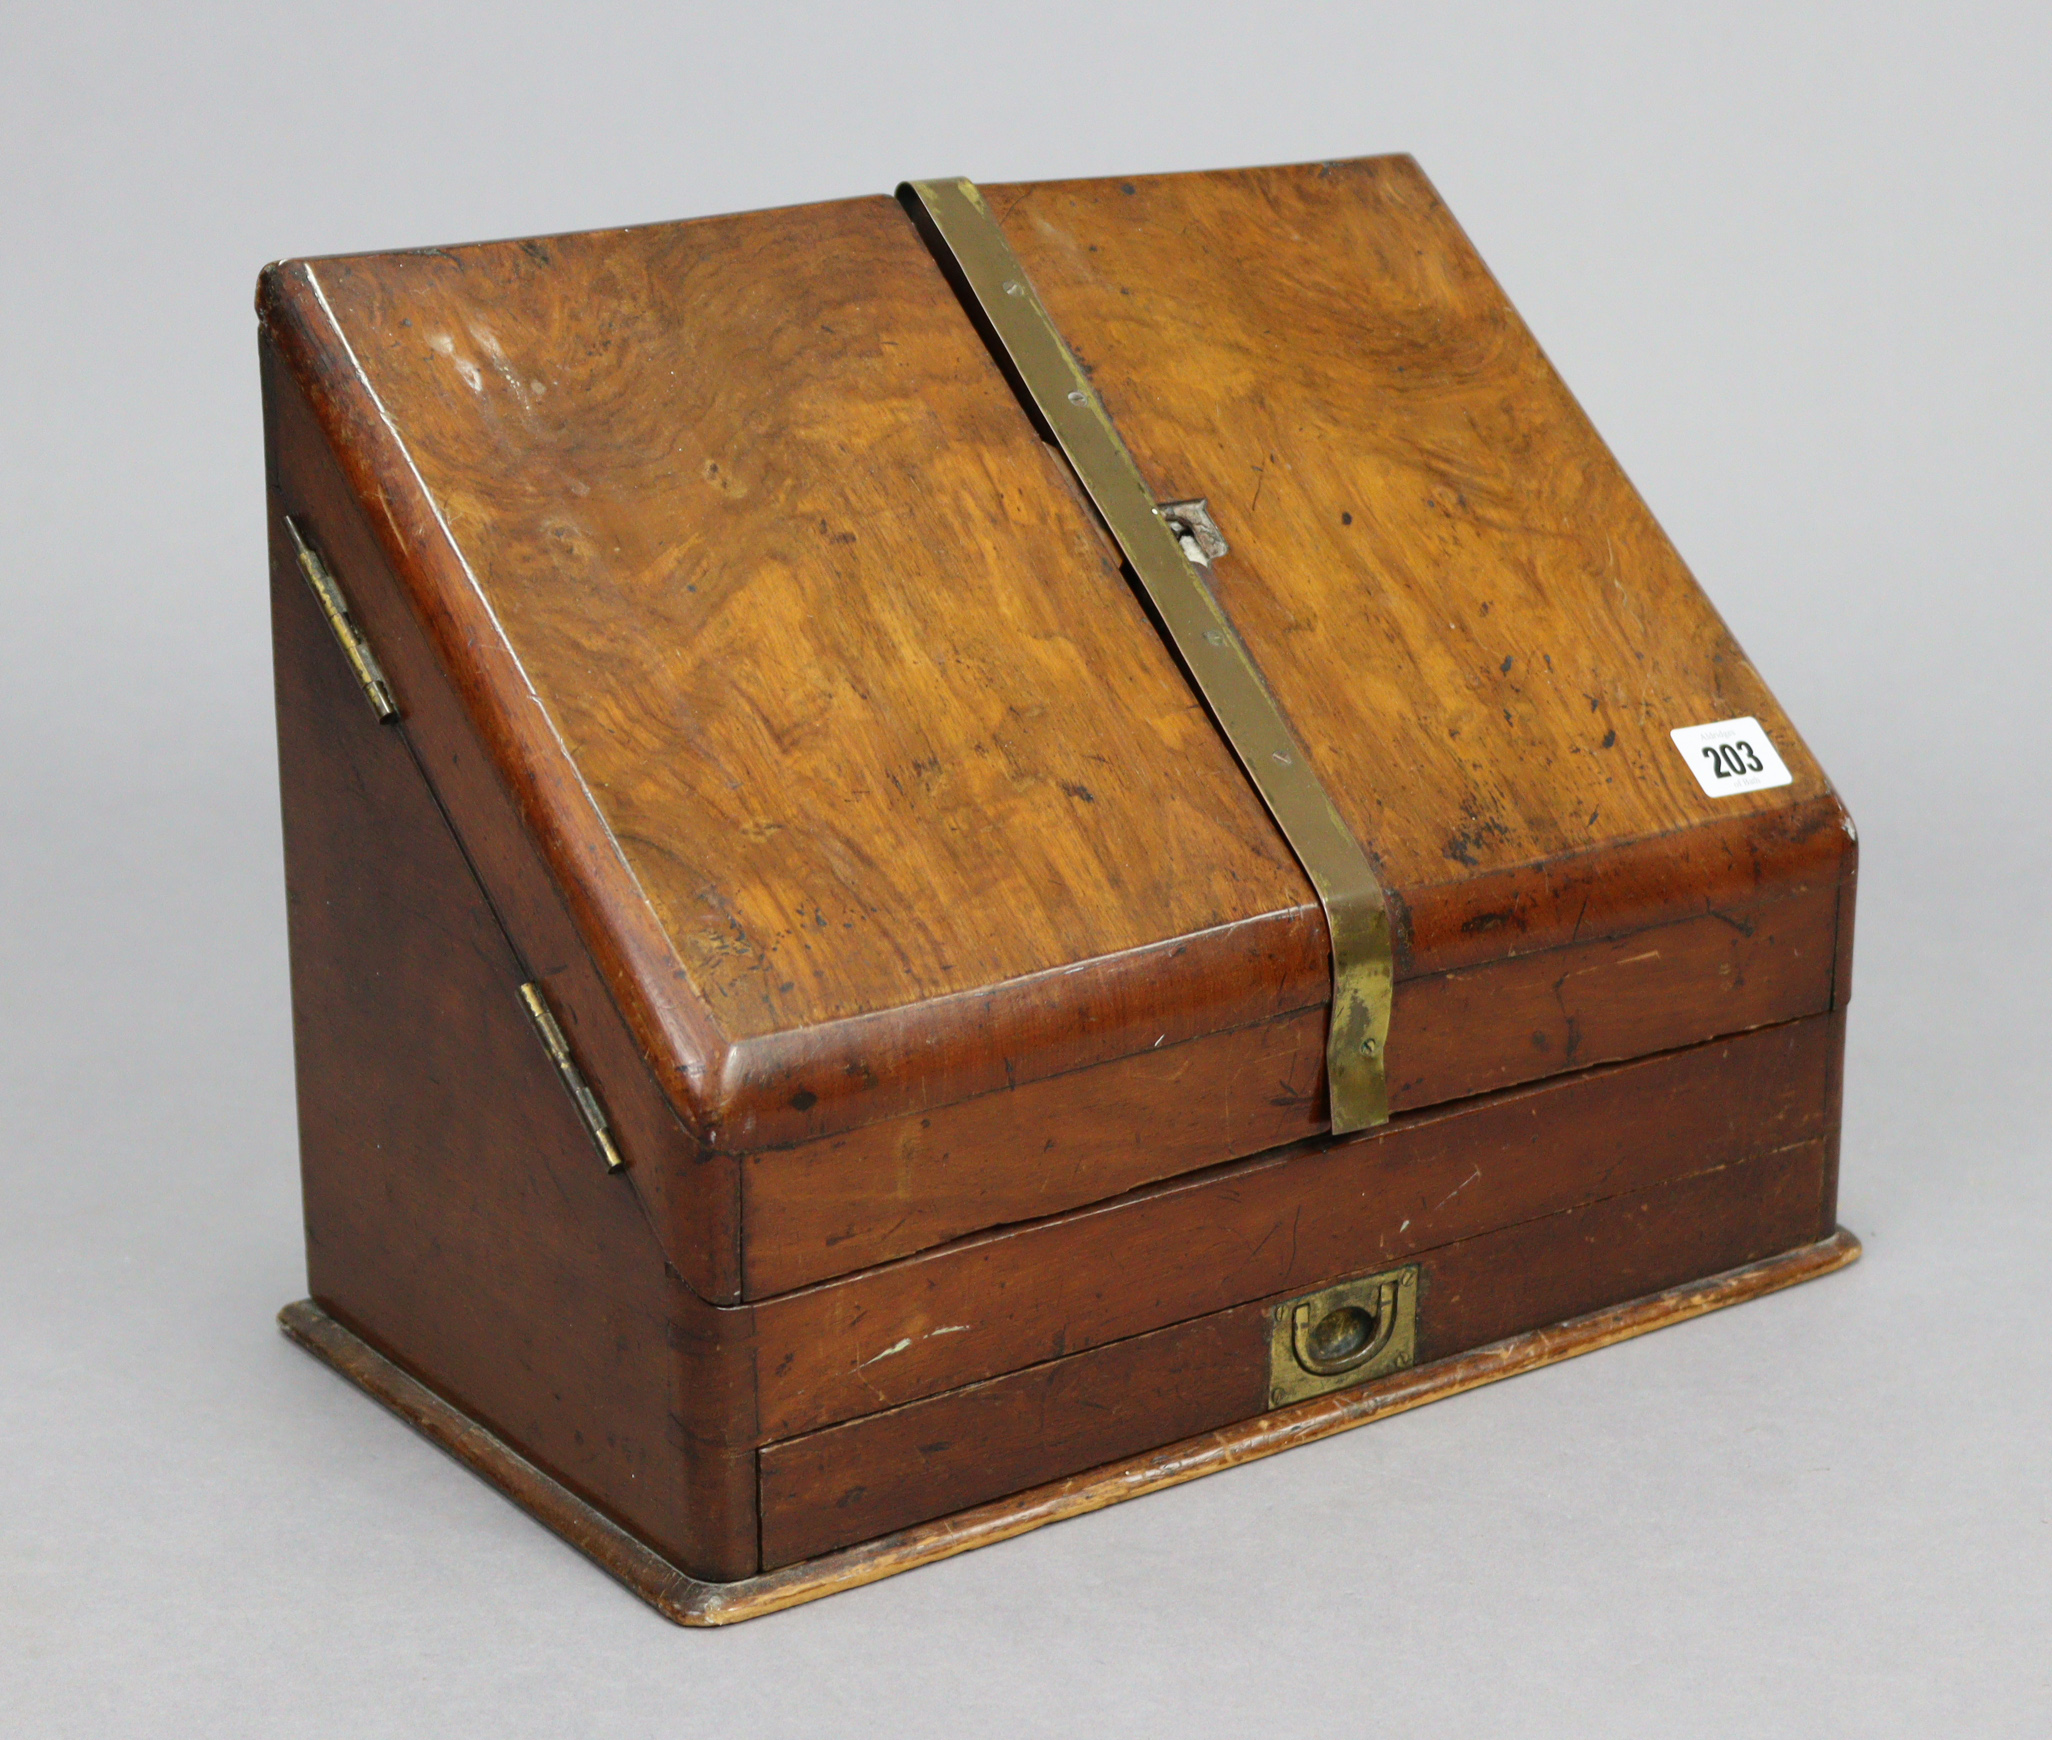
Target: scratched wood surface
{"points": [[817, 1209], [888, 1471], [1287, 1221], [457, 1216], [816, 687], [1476, 625], [857, 691]]}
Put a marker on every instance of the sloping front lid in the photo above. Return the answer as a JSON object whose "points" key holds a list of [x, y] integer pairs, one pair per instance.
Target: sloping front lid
{"points": [[878, 790], [1476, 624], [851, 683]]}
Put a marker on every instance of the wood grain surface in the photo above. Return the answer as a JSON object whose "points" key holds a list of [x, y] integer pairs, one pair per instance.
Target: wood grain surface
{"points": [[457, 1214], [891, 1470], [860, 776], [1284, 1222], [819, 1209], [862, 702], [1477, 627]]}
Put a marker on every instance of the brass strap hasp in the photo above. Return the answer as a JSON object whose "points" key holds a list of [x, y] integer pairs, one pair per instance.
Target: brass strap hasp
{"points": [[969, 243]]}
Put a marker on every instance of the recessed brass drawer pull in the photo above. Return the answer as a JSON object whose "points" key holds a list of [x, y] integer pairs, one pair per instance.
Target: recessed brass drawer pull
{"points": [[1343, 1335]]}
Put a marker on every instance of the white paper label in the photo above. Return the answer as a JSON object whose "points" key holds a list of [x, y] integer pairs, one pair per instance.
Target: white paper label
{"points": [[1730, 757]]}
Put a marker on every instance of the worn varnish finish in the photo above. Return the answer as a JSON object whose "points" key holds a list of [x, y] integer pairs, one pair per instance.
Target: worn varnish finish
{"points": [[889, 800], [890, 1470], [1284, 1222], [688, 1600], [882, 725], [823, 1208], [1478, 627], [769, 694], [456, 1214]]}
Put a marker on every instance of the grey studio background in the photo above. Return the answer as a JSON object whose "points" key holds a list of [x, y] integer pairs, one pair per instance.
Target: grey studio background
{"points": [[1794, 261]]}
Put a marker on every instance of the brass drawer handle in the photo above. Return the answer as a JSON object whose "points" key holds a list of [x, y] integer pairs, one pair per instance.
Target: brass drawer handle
{"points": [[1347, 1335], [1343, 1334]]}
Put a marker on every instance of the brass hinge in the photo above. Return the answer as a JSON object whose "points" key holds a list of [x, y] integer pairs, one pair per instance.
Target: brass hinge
{"points": [[588, 1107], [335, 608]]}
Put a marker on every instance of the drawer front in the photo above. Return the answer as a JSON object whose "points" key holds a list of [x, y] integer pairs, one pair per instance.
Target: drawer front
{"points": [[868, 1477], [1287, 1221], [847, 1202]]}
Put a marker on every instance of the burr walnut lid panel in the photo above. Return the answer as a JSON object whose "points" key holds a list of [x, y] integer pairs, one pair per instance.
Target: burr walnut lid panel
{"points": [[872, 792], [1470, 614], [846, 673]]}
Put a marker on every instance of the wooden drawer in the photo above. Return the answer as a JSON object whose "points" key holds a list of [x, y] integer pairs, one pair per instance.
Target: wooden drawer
{"points": [[1285, 1222], [869, 1477]]}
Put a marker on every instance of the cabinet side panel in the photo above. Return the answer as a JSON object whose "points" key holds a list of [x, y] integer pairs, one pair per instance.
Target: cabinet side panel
{"points": [[693, 1193], [457, 1214]]}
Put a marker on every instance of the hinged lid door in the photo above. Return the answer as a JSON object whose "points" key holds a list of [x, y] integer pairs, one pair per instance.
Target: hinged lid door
{"points": [[916, 868], [1466, 609]]}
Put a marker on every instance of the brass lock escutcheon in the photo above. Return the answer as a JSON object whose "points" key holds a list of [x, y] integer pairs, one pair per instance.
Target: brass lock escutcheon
{"points": [[1343, 1335]]}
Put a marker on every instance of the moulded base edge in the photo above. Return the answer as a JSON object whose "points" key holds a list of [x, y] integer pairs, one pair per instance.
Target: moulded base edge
{"points": [[689, 1601]]}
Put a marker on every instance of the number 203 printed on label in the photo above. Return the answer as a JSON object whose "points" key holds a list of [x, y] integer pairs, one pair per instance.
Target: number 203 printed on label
{"points": [[1731, 756]]}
